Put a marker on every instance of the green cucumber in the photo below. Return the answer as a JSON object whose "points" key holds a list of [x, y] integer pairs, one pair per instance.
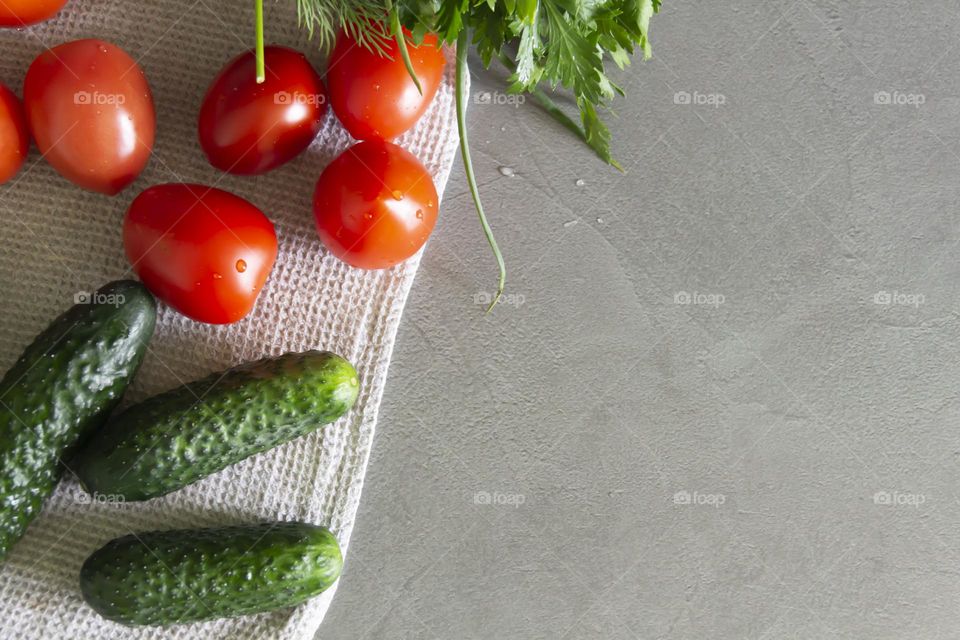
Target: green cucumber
{"points": [[166, 577], [63, 387], [183, 435]]}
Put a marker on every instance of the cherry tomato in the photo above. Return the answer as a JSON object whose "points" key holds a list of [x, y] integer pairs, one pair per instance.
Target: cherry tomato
{"points": [[374, 96], [20, 13], [375, 205], [205, 252], [14, 139], [91, 113], [248, 128]]}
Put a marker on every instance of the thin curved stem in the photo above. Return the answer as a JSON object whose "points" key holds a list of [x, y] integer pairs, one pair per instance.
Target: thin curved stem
{"points": [[397, 30], [261, 65], [463, 46]]}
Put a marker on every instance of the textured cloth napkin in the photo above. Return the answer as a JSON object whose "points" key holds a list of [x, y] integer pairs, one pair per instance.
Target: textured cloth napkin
{"points": [[59, 240]]}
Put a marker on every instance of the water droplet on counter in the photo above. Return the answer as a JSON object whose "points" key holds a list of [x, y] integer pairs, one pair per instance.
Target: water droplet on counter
{"points": [[507, 171], [570, 223], [579, 182]]}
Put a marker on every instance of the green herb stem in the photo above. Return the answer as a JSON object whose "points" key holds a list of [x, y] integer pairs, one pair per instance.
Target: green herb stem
{"points": [[463, 45], [261, 65], [397, 30]]}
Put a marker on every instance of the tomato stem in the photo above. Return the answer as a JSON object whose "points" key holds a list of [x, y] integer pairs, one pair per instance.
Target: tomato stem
{"points": [[463, 46], [261, 65], [397, 30]]}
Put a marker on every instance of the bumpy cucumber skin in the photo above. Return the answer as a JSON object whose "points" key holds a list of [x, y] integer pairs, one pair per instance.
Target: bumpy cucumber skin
{"points": [[62, 388], [186, 434], [166, 577]]}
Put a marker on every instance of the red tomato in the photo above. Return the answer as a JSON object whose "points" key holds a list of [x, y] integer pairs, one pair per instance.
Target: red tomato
{"points": [[20, 13], [375, 205], [374, 96], [91, 113], [248, 128], [205, 252], [14, 139]]}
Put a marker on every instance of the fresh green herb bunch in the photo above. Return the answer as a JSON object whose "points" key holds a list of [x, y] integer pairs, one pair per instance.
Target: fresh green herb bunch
{"points": [[563, 43]]}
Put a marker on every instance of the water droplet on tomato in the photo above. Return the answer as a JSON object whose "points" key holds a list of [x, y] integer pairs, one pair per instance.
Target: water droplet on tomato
{"points": [[420, 214], [217, 276], [397, 194], [241, 265], [368, 215]]}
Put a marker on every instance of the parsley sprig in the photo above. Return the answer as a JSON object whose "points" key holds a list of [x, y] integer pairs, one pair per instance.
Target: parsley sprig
{"points": [[557, 43]]}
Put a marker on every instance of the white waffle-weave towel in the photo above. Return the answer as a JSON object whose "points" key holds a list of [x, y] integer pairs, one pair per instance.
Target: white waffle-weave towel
{"points": [[59, 240]]}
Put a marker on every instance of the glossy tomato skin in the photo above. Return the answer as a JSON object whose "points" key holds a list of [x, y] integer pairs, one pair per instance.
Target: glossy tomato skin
{"points": [[91, 114], [20, 13], [374, 96], [375, 205], [14, 138], [205, 252], [248, 128]]}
